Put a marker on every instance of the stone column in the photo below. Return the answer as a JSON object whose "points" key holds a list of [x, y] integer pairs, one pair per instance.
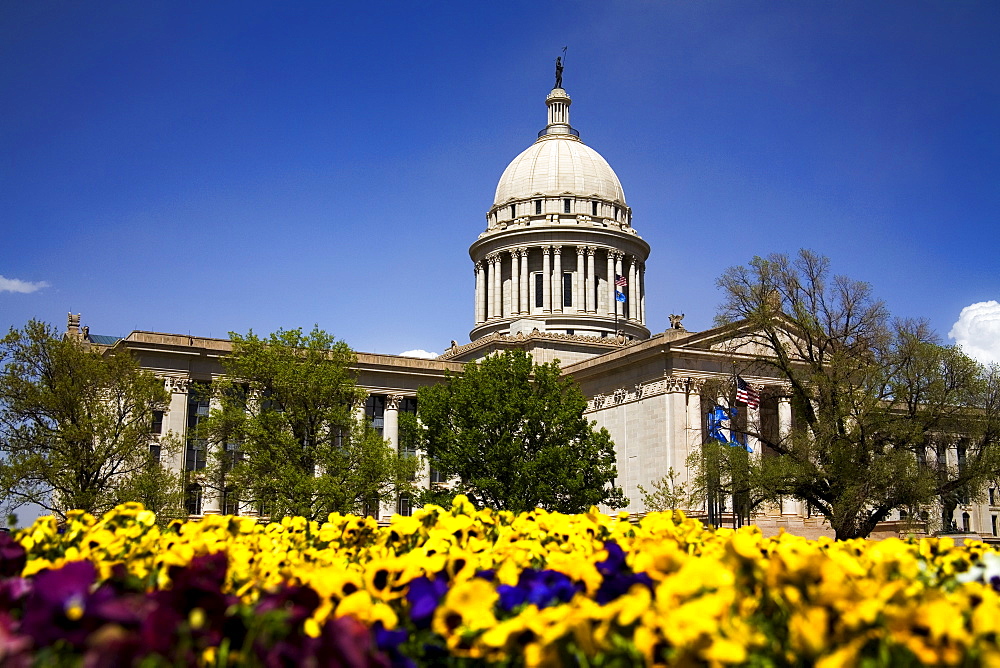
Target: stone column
{"points": [[591, 287], [784, 416], [753, 423], [695, 439], [789, 505], [480, 294], [390, 421], [497, 309], [619, 271], [515, 283], [490, 291], [642, 293], [175, 420], [525, 305], [633, 289], [546, 279], [579, 279], [612, 303], [557, 280]]}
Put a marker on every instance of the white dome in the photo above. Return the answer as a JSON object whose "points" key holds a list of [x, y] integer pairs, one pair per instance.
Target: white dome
{"points": [[556, 165]]}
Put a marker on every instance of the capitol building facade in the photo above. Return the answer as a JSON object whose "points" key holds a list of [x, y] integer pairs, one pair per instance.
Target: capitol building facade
{"points": [[560, 272]]}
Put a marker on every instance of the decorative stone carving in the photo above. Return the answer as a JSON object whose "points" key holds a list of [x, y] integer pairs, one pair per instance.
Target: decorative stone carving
{"points": [[675, 384], [392, 402], [619, 395], [675, 321], [176, 385]]}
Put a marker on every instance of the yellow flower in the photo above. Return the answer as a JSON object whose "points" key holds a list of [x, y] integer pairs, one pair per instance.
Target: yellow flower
{"points": [[364, 608], [807, 631], [468, 605]]}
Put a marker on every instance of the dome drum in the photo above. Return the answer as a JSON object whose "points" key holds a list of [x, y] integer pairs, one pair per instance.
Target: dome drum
{"points": [[563, 209], [559, 254]]}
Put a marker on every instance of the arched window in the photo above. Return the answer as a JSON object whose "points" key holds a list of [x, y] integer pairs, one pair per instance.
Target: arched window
{"points": [[965, 522]]}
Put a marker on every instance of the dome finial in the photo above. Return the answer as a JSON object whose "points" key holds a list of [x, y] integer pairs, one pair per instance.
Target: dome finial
{"points": [[559, 70]]}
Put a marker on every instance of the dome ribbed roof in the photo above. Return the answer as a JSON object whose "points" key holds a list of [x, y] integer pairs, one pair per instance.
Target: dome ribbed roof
{"points": [[556, 165]]}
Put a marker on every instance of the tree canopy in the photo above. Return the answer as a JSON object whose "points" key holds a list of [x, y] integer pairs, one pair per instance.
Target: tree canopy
{"points": [[75, 424], [512, 436], [284, 432], [884, 416]]}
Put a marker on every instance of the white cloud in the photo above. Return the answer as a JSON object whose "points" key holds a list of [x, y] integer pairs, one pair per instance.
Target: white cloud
{"points": [[15, 285], [418, 353], [978, 331]]}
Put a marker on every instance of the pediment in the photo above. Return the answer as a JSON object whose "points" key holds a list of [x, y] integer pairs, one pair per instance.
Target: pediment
{"points": [[740, 338]]}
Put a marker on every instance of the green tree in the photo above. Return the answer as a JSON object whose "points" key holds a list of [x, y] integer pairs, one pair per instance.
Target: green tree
{"points": [[512, 436], [665, 494], [75, 423], [284, 434], [873, 398], [158, 488]]}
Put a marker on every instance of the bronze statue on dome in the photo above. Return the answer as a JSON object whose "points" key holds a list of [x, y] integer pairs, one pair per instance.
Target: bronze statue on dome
{"points": [[559, 71]]}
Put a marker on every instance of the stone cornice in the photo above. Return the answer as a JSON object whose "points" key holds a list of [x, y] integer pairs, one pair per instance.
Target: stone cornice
{"points": [[520, 338], [667, 385]]}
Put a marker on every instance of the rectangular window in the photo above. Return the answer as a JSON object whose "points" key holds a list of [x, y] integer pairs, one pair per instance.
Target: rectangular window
{"points": [[539, 296], [196, 456], [234, 455], [371, 507], [408, 405], [513, 210], [437, 477], [154, 452], [157, 426], [593, 206], [993, 496], [567, 289], [193, 499], [375, 411], [993, 519], [538, 207], [405, 505], [230, 503], [264, 508], [566, 205], [571, 331]]}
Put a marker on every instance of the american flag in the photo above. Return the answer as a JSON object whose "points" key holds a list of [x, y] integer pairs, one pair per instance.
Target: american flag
{"points": [[620, 281], [747, 394]]}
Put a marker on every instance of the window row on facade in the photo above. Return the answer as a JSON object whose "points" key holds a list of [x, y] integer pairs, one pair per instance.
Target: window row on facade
{"points": [[565, 205]]}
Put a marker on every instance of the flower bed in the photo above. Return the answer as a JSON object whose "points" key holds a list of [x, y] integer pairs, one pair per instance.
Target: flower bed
{"points": [[456, 586]]}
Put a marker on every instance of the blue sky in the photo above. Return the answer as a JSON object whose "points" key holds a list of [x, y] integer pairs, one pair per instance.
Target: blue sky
{"points": [[206, 167]]}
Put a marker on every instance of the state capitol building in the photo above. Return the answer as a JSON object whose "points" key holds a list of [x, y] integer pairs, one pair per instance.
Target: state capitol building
{"points": [[559, 273]]}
